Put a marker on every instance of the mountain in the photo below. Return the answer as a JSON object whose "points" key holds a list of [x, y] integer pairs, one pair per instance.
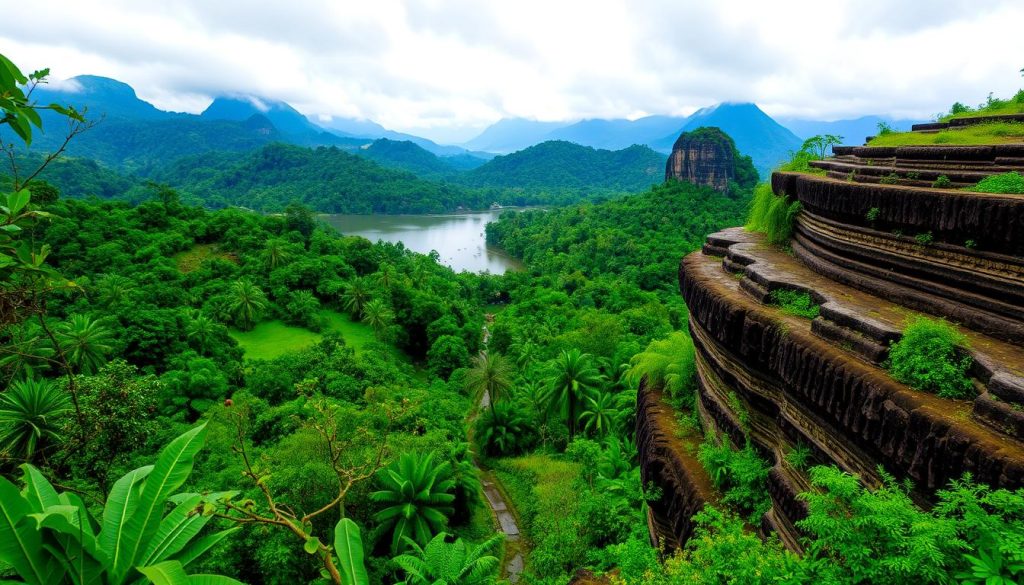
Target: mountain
{"points": [[407, 156], [616, 134], [563, 165], [293, 125], [755, 133], [708, 157], [853, 131], [327, 179], [512, 134], [104, 97]]}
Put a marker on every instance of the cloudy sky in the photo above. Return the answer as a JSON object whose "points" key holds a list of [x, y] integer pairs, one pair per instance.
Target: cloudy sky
{"points": [[447, 68]]}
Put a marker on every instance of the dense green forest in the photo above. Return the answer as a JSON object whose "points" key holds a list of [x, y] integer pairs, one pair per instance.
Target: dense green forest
{"points": [[142, 440]]}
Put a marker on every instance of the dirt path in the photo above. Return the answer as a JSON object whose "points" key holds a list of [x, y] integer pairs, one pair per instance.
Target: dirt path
{"points": [[503, 512]]}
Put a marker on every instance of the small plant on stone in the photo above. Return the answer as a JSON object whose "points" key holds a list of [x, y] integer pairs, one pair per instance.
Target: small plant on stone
{"points": [[1009, 183], [890, 179], [924, 239], [872, 214], [930, 357], [970, 244], [942, 182], [884, 128], [796, 303], [799, 456]]}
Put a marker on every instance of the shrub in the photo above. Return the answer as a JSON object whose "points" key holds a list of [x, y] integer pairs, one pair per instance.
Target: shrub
{"points": [[942, 182], [741, 474], [505, 430], [668, 361], [872, 214], [772, 215], [929, 358], [1010, 183], [799, 456], [796, 303], [924, 239]]}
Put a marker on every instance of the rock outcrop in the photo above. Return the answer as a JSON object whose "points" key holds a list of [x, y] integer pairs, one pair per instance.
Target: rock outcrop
{"points": [[705, 156], [870, 253]]}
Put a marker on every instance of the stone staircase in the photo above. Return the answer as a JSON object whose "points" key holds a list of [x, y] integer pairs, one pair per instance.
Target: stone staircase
{"points": [[873, 254]]}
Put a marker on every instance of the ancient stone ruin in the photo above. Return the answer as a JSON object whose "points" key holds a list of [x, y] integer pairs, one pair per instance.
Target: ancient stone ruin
{"points": [[875, 243]]}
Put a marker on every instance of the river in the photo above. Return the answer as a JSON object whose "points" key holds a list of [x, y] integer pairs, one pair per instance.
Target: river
{"points": [[458, 238]]}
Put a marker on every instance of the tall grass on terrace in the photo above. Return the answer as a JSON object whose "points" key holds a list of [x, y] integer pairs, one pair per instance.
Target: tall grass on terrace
{"points": [[992, 133], [772, 215]]}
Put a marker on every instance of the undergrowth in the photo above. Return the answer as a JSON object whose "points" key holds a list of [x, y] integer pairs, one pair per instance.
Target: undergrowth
{"points": [[797, 303], [929, 358], [1010, 183], [772, 215]]}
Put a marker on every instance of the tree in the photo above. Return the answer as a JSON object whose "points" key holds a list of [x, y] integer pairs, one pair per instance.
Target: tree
{"points": [[600, 414], [135, 539], [356, 296], [819, 145], [450, 563], [303, 309], [417, 498], [201, 331], [386, 276], [378, 316], [276, 253], [570, 376], [447, 354], [247, 303], [491, 374], [30, 418], [504, 430], [85, 343]]}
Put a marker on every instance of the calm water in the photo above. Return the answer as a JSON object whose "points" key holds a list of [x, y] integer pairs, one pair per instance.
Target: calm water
{"points": [[458, 238]]}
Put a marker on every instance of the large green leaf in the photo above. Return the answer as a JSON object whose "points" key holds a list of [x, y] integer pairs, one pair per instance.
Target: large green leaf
{"points": [[198, 548], [212, 580], [165, 573], [21, 545], [349, 545], [172, 468], [38, 492], [175, 531], [121, 505]]}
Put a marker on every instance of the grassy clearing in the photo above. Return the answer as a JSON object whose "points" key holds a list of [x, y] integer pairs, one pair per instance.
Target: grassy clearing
{"points": [[192, 259], [271, 339], [995, 133]]}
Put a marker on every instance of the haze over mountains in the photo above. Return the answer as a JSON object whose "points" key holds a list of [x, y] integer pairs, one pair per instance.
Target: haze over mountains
{"points": [[135, 136]]}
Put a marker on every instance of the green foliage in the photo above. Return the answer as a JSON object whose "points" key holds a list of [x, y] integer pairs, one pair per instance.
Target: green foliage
{"points": [[885, 128], [1010, 183], [993, 106], [670, 362], [799, 456], [450, 563], [942, 182], [136, 533], [31, 413], [872, 214], [820, 145], [247, 303], [924, 239], [85, 343], [348, 545], [490, 374], [504, 430], [929, 357], [447, 354], [416, 495], [772, 215], [987, 133], [795, 302], [571, 377], [741, 474]]}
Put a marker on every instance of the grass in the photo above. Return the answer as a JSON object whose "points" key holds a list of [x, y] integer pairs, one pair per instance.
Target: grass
{"points": [[993, 133], [1011, 183], [929, 358], [772, 215], [796, 303], [994, 107], [192, 259], [271, 339]]}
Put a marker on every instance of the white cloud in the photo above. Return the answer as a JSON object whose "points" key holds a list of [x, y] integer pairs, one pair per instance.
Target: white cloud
{"points": [[445, 68]]}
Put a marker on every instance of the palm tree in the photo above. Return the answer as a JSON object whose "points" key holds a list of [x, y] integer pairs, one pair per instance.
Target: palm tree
{"points": [[600, 414], [490, 373], [247, 303], [200, 331], [30, 413], [417, 496], [386, 276], [534, 392], [85, 343], [450, 563], [571, 375], [356, 296], [276, 253], [504, 430], [377, 315], [525, 352], [113, 289]]}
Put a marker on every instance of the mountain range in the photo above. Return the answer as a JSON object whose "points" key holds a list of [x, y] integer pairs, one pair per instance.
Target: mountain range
{"points": [[137, 137]]}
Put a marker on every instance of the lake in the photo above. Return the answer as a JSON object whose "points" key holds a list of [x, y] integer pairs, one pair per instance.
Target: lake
{"points": [[459, 237]]}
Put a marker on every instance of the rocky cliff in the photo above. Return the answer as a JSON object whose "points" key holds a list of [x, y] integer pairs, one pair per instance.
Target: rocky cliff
{"points": [[820, 383], [707, 156]]}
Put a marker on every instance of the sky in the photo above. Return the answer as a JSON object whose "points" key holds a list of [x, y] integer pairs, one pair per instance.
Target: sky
{"points": [[447, 69]]}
